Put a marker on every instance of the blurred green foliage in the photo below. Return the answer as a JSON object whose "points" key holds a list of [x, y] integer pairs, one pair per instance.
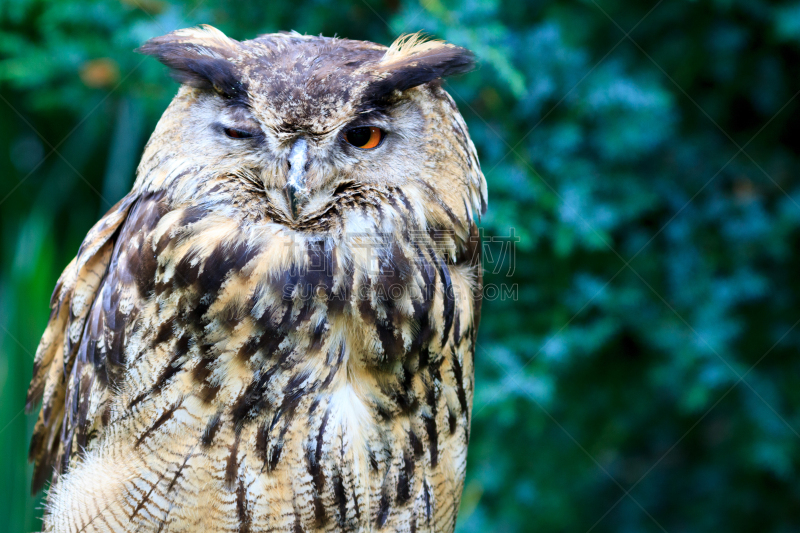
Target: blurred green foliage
{"points": [[645, 377]]}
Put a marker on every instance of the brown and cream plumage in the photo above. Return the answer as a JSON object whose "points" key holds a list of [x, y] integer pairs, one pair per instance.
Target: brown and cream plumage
{"points": [[274, 331]]}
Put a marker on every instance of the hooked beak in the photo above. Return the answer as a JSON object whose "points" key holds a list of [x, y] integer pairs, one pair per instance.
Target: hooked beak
{"points": [[296, 178]]}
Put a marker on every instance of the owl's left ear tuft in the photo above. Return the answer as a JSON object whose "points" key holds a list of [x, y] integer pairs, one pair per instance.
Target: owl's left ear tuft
{"points": [[200, 58], [412, 61]]}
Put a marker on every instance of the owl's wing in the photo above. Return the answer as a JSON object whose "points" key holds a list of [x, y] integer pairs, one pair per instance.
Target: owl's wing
{"points": [[79, 351]]}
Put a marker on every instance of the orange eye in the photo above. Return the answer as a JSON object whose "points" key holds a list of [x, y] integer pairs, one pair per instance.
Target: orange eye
{"points": [[365, 137]]}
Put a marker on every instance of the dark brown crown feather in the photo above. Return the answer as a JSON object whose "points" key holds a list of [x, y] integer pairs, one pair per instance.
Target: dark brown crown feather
{"points": [[200, 57]]}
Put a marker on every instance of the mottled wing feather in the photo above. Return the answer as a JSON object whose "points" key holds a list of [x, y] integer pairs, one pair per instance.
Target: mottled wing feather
{"points": [[61, 378]]}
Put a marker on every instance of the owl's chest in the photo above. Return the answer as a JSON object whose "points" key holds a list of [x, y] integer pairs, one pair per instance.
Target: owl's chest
{"points": [[327, 381], [257, 315]]}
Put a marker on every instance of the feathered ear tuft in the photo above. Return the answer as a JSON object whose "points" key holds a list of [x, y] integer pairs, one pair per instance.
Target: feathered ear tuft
{"points": [[412, 60], [409, 44], [199, 57]]}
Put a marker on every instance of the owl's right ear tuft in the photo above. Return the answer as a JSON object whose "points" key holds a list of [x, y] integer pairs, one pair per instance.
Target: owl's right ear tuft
{"points": [[200, 58]]}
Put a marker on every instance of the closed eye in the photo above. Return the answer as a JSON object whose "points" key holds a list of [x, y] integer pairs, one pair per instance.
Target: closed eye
{"points": [[235, 133]]}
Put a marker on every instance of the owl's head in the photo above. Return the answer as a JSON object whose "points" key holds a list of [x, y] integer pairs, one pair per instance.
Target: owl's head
{"points": [[311, 119]]}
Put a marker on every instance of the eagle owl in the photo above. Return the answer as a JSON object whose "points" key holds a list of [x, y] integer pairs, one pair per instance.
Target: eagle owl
{"points": [[275, 329]]}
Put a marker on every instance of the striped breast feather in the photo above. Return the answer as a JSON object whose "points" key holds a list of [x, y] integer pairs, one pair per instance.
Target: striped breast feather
{"points": [[216, 342]]}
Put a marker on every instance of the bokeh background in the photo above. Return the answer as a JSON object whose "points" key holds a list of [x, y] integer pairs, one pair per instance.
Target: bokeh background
{"points": [[640, 369]]}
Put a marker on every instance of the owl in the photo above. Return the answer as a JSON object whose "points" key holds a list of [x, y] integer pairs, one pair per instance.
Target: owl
{"points": [[275, 329]]}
